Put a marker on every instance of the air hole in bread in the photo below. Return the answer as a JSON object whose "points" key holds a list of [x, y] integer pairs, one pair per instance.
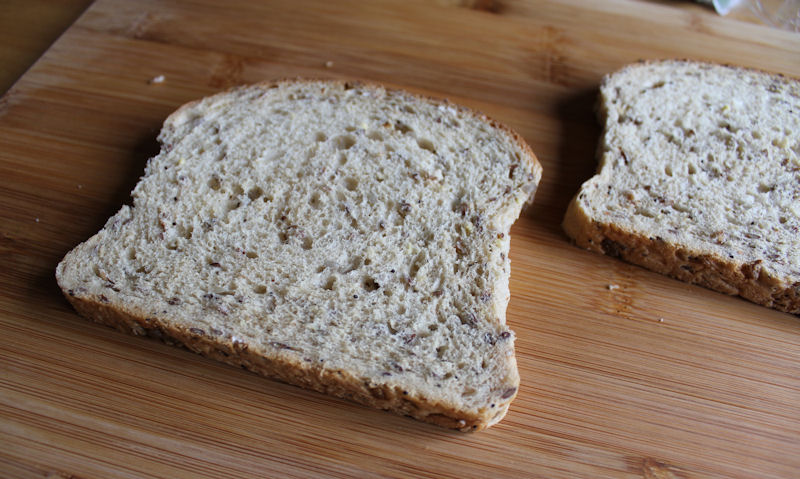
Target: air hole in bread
{"points": [[255, 193], [307, 243], [692, 169], [402, 127], [342, 159], [375, 135], [314, 201], [350, 129], [251, 254], [260, 289], [782, 220], [172, 245], [234, 203], [416, 265], [408, 109], [391, 328], [401, 309], [351, 183], [440, 351], [345, 142], [426, 144], [214, 183], [668, 170], [132, 252], [370, 284], [329, 283]]}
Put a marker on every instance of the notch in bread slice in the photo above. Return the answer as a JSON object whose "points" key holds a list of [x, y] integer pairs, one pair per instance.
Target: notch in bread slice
{"points": [[699, 178], [337, 236]]}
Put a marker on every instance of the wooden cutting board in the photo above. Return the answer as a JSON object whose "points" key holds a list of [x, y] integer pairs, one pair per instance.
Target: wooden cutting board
{"points": [[625, 373]]}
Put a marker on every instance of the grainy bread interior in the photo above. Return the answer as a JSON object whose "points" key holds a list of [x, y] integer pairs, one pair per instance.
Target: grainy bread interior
{"points": [[699, 178], [338, 236]]}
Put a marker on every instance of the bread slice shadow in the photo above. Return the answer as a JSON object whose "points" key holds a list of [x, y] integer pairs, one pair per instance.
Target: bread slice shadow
{"points": [[575, 161], [43, 285]]}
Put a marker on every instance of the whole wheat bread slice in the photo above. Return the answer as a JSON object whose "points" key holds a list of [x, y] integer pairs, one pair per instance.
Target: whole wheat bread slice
{"points": [[699, 178], [337, 236]]}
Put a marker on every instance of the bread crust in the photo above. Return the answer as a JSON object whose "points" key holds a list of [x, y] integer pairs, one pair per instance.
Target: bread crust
{"points": [[749, 280], [286, 366]]}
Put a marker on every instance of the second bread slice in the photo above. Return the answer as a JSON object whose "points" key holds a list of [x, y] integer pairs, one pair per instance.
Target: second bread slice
{"points": [[699, 178]]}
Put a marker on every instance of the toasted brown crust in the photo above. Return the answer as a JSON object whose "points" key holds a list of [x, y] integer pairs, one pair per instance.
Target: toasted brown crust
{"points": [[286, 366], [748, 280]]}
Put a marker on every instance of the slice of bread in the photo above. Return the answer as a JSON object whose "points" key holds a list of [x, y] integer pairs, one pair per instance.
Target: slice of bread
{"points": [[337, 236], [699, 178]]}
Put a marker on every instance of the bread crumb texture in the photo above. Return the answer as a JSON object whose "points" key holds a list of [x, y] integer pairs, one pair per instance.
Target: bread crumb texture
{"points": [[338, 236], [699, 178]]}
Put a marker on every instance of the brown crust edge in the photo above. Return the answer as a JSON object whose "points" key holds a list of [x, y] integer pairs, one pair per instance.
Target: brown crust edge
{"points": [[748, 280], [285, 366]]}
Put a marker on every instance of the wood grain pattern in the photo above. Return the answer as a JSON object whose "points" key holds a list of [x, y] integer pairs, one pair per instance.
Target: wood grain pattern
{"points": [[650, 378]]}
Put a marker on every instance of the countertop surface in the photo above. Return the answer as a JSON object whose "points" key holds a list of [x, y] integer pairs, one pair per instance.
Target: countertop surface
{"points": [[625, 373]]}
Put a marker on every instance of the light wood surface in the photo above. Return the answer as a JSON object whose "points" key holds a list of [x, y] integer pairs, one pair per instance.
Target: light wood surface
{"points": [[624, 373]]}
